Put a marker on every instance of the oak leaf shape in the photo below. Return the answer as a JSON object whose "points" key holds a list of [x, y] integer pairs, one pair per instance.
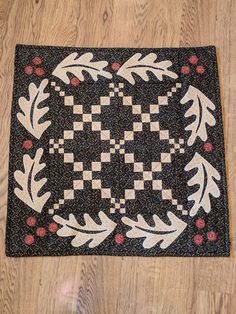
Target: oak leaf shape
{"points": [[30, 188], [161, 232], [89, 232], [32, 110], [200, 108], [141, 67], [76, 65], [205, 177]]}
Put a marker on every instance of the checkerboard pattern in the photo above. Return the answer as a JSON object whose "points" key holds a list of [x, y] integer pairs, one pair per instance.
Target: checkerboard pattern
{"points": [[88, 177]]}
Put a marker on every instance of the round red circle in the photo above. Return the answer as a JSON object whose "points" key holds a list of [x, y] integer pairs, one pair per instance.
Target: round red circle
{"points": [[208, 147], [185, 69], [198, 239], [200, 69], [37, 60], [28, 69], [31, 221], [27, 144], [41, 232], [115, 66], [74, 81], [193, 59], [53, 227], [200, 223], [29, 239], [119, 238], [39, 71], [211, 236]]}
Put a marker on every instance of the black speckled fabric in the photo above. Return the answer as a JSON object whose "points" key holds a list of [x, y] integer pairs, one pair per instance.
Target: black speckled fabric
{"points": [[116, 151]]}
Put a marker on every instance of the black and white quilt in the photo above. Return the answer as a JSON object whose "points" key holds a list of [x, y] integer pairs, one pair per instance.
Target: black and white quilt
{"points": [[116, 151]]}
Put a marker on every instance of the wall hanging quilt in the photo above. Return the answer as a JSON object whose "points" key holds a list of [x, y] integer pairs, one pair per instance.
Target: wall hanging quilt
{"points": [[116, 151]]}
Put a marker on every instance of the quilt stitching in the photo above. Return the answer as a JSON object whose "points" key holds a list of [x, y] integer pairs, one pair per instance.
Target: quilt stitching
{"points": [[89, 231]]}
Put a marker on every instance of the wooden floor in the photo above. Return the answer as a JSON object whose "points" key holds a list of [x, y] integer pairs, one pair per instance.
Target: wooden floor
{"points": [[129, 285]]}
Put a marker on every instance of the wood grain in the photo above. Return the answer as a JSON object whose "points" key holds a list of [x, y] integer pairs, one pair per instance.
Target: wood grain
{"points": [[127, 285]]}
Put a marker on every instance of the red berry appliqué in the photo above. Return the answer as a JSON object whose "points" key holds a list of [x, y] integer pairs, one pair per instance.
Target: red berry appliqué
{"points": [[185, 69], [27, 144], [193, 59], [208, 147], [31, 221], [28, 70], [53, 227], [200, 69], [37, 60], [115, 66], [74, 81], [119, 238], [29, 239], [211, 236], [41, 232], [198, 239], [39, 71], [200, 223]]}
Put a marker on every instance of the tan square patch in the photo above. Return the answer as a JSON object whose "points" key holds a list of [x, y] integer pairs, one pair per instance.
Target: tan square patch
{"points": [[105, 157], [105, 101], [154, 126], [87, 117], [166, 194], [87, 175], [154, 108], [105, 135], [127, 100], [69, 100], [156, 166], [129, 158], [138, 185], [147, 175], [78, 166], [69, 194], [96, 166], [136, 109], [164, 135], [165, 157], [78, 184], [96, 109], [145, 117], [163, 100], [129, 194], [96, 126], [138, 167], [68, 157], [96, 184], [106, 193], [157, 185], [69, 134], [137, 126], [78, 126], [128, 135], [77, 109]]}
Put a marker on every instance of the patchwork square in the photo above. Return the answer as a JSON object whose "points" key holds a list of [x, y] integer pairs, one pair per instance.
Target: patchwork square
{"points": [[116, 152]]}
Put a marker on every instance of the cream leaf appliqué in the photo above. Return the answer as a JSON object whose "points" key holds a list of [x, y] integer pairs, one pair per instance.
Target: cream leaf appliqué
{"points": [[205, 177], [161, 232], [77, 65], [32, 110], [30, 188], [141, 67], [200, 108], [89, 232]]}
